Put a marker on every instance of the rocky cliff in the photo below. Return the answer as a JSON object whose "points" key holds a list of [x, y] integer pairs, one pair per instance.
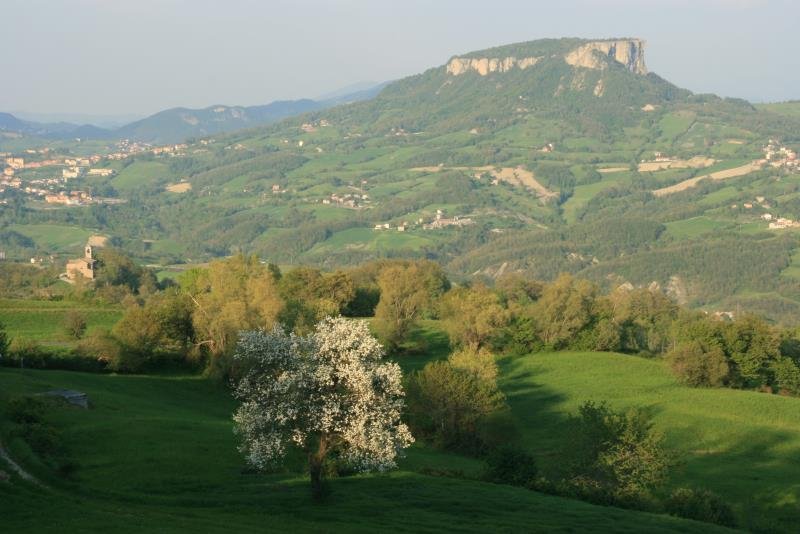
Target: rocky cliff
{"points": [[484, 66], [591, 54], [594, 55]]}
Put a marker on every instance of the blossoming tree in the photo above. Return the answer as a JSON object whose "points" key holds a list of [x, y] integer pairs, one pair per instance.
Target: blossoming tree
{"points": [[326, 392]]}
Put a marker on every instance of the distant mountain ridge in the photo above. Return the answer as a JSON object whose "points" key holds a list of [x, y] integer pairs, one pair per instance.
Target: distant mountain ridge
{"points": [[177, 124]]}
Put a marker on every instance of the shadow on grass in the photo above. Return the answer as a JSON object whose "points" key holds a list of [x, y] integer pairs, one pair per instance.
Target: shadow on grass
{"points": [[753, 476], [755, 471]]}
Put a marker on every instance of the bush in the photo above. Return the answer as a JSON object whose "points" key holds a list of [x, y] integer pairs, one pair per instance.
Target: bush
{"points": [[29, 354], [4, 341], [26, 410], [75, 324], [103, 348], [26, 353], [700, 505], [511, 465], [787, 375], [520, 336], [447, 404], [699, 367], [43, 439], [616, 457], [31, 425]]}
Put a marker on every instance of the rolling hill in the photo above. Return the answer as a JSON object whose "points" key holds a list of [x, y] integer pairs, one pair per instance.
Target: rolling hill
{"points": [[178, 124], [143, 455], [736, 443], [539, 157]]}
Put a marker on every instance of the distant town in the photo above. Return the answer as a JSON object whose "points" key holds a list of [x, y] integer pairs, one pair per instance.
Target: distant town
{"points": [[40, 176]]}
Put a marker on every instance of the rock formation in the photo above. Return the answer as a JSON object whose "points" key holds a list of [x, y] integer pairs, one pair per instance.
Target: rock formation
{"points": [[484, 66], [594, 55], [591, 55]]}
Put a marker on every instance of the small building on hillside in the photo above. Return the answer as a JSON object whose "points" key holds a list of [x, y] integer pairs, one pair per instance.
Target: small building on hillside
{"points": [[85, 266]]}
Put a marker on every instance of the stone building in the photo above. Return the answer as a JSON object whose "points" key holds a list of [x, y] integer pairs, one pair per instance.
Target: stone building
{"points": [[82, 266]]}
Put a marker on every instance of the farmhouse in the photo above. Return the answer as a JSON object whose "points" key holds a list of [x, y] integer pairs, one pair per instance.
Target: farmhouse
{"points": [[101, 172], [85, 267], [72, 172], [782, 223]]}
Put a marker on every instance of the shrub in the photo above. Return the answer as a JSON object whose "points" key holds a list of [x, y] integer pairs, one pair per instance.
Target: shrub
{"points": [[787, 375], [472, 316], [700, 505], [480, 363], [26, 410], [31, 425], [75, 324], [699, 367], [26, 353], [4, 341], [100, 345], [520, 336], [447, 404], [43, 439], [615, 456], [511, 465]]}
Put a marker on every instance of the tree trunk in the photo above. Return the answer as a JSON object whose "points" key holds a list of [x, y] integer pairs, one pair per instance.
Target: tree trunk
{"points": [[315, 466]]}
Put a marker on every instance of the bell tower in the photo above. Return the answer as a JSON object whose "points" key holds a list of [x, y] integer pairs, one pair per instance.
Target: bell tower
{"points": [[87, 253]]}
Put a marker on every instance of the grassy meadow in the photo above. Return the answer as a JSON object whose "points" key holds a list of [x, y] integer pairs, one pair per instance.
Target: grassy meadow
{"points": [[740, 444], [157, 453], [55, 238], [42, 321]]}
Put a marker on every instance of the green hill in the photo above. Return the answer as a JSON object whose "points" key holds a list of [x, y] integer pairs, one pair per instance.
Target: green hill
{"points": [[740, 444], [545, 151], [158, 454]]}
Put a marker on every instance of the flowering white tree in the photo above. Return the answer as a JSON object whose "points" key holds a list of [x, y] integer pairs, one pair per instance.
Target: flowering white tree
{"points": [[325, 392]]}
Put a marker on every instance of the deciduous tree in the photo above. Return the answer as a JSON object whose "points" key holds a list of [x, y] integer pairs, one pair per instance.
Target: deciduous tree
{"points": [[325, 393], [472, 316]]}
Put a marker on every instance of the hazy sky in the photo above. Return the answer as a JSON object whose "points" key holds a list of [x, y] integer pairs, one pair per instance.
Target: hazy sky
{"points": [[141, 56]]}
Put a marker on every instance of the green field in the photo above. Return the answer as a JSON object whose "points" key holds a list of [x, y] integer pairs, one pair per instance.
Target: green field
{"points": [[674, 124], [740, 444], [583, 194], [158, 454], [141, 173], [372, 240], [42, 321], [690, 228], [54, 237]]}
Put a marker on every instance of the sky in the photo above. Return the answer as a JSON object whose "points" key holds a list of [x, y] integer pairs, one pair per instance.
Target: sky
{"points": [[136, 57]]}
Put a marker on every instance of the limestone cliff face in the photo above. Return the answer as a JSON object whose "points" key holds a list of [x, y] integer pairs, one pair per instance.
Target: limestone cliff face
{"points": [[485, 65], [593, 55]]}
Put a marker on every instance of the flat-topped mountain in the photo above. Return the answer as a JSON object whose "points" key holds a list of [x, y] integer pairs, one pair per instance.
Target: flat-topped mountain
{"points": [[599, 81], [593, 55]]}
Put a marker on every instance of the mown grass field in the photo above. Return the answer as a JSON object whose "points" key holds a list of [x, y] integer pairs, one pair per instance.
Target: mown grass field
{"points": [[694, 227], [743, 445], [157, 454], [55, 237], [43, 320], [142, 173], [373, 240]]}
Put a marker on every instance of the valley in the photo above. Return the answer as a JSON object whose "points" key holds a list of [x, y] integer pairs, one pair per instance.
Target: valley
{"points": [[504, 148], [527, 283]]}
